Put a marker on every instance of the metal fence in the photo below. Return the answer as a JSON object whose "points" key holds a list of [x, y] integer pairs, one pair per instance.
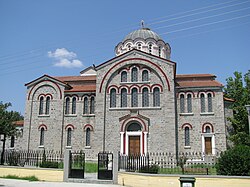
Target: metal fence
{"points": [[35, 158], [169, 163]]}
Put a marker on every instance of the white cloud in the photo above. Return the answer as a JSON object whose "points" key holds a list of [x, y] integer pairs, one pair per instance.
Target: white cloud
{"points": [[65, 58]]}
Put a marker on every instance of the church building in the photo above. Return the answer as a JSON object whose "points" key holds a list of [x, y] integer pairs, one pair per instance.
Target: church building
{"points": [[134, 103]]}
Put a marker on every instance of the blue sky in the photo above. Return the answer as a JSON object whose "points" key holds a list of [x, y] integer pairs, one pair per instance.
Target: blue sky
{"points": [[60, 38]]}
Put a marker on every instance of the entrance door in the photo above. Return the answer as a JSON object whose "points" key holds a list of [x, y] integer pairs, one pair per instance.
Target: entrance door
{"points": [[208, 145], [134, 145]]}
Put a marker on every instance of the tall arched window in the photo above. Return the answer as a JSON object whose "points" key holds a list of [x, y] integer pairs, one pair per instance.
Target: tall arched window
{"points": [[92, 105], [145, 75], [67, 102], [124, 97], [182, 103], [42, 136], [134, 97], [156, 97], [134, 75], [47, 105], [209, 102], [124, 76], [145, 97], [88, 137], [189, 103], [150, 48], [187, 136], [202, 99], [113, 98], [85, 105], [74, 105], [41, 106], [69, 134]]}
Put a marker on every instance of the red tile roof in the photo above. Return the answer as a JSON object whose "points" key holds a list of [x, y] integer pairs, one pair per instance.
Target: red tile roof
{"points": [[19, 123], [83, 88], [76, 78]]}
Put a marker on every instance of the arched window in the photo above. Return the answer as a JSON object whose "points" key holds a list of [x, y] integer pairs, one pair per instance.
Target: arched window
{"points": [[74, 105], [12, 141], [187, 136], [112, 98], [182, 103], [47, 105], [202, 99], [134, 127], [207, 129], [67, 102], [41, 106], [156, 97], [145, 97], [139, 46], [124, 97], [189, 103], [42, 136], [134, 75], [150, 48], [85, 105], [159, 51], [69, 134], [88, 137], [129, 47], [92, 105], [145, 75], [134, 97], [124, 76], [209, 102]]}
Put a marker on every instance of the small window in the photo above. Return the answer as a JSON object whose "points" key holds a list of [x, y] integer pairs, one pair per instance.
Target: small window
{"points": [[189, 103], [145, 97], [41, 106], [187, 136], [74, 105], [124, 97], [129, 47], [207, 129], [42, 136], [112, 98], [159, 51], [145, 75], [156, 97], [209, 102], [69, 134], [92, 105], [150, 48], [182, 103], [12, 141], [67, 106], [139, 46], [134, 75], [47, 105], [202, 99], [134, 98], [85, 105], [124, 76], [88, 137]]}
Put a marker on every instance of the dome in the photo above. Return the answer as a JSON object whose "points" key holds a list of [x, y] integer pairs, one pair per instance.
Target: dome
{"points": [[143, 33]]}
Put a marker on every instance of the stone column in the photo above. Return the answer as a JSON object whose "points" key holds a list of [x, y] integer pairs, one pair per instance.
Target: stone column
{"points": [[115, 167], [66, 165]]}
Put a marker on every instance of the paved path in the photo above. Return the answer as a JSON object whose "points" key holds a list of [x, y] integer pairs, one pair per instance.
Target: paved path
{"points": [[23, 183]]}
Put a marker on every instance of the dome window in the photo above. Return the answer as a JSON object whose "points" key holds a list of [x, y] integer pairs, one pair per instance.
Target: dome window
{"points": [[150, 48], [159, 51], [139, 46]]}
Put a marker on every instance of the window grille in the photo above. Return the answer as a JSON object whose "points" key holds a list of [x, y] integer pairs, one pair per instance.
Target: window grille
{"points": [[47, 105], [134, 75], [209, 102], [67, 106], [92, 105], [134, 99], [124, 97], [145, 97], [189, 103], [202, 102], [156, 97], [41, 106], [187, 136], [88, 137], [74, 105], [42, 136], [69, 134], [124, 76], [145, 75], [182, 103], [85, 105], [112, 98]]}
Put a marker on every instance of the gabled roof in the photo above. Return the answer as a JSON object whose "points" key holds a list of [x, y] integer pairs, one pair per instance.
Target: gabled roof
{"points": [[132, 51], [90, 71], [68, 79]]}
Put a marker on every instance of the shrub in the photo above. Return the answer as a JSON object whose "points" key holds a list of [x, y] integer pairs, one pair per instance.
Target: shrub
{"points": [[49, 164], [154, 169], [235, 161]]}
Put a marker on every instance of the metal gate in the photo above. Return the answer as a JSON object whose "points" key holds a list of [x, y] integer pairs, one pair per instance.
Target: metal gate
{"points": [[105, 166], [77, 164]]}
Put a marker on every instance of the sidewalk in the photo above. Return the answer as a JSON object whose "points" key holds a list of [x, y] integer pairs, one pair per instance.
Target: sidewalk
{"points": [[24, 183]]}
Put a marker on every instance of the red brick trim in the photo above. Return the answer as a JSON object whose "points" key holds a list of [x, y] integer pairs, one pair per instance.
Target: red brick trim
{"points": [[137, 119], [70, 126], [209, 125], [187, 125], [42, 125], [88, 126]]}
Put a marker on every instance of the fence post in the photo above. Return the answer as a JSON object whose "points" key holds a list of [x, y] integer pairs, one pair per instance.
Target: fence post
{"points": [[115, 167], [66, 165]]}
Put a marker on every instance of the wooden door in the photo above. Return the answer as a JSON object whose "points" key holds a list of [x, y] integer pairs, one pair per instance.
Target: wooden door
{"points": [[208, 145], [134, 145]]}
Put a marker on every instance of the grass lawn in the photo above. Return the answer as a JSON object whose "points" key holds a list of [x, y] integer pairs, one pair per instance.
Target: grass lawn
{"points": [[29, 178]]}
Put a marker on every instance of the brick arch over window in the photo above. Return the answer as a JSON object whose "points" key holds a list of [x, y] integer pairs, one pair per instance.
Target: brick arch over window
{"points": [[207, 125], [70, 126], [139, 59], [43, 126], [156, 86], [187, 125], [88, 126], [112, 86], [133, 119]]}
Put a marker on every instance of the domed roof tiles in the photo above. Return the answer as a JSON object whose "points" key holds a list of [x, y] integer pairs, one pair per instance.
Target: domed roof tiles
{"points": [[143, 33]]}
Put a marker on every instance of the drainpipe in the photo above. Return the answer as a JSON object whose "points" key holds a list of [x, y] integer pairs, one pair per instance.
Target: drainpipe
{"points": [[176, 125], [104, 120], [62, 127], [31, 109]]}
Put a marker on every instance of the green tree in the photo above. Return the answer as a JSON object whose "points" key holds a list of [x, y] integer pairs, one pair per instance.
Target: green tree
{"points": [[238, 88], [7, 126]]}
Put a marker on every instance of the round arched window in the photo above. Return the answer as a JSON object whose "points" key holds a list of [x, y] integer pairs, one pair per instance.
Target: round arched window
{"points": [[134, 127]]}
